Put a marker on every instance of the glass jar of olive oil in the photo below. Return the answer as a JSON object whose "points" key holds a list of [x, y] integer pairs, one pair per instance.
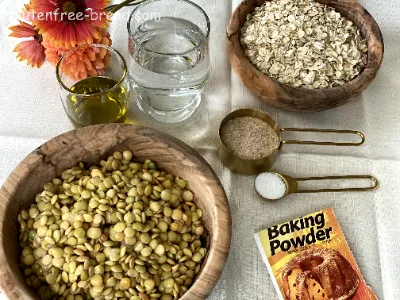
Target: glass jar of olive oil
{"points": [[98, 92]]}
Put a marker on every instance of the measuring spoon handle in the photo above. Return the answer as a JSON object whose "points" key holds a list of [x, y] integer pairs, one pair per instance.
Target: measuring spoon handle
{"points": [[370, 188], [353, 132]]}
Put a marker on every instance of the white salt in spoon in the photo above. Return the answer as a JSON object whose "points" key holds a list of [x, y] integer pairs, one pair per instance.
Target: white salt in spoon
{"points": [[274, 186]]}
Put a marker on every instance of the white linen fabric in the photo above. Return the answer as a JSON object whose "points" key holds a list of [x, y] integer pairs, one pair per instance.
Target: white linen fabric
{"points": [[31, 113]]}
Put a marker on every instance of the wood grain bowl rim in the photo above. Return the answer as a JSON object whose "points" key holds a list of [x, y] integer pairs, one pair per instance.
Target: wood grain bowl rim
{"points": [[220, 243], [240, 62]]}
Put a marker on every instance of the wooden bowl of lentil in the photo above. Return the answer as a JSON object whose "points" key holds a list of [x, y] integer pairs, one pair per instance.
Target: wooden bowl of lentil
{"points": [[292, 98], [90, 145]]}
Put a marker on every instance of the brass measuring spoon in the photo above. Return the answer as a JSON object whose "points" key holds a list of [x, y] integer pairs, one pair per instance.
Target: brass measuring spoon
{"points": [[257, 166], [274, 186]]}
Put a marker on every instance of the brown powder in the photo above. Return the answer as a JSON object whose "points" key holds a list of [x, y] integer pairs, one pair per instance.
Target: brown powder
{"points": [[249, 138]]}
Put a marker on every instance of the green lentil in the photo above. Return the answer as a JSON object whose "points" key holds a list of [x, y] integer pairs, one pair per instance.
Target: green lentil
{"points": [[118, 230]]}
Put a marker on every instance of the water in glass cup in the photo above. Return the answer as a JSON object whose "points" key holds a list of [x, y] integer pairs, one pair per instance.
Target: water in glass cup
{"points": [[169, 68]]}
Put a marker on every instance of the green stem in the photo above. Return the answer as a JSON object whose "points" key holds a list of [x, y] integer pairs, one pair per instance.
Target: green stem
{"points": [[116, 7]]}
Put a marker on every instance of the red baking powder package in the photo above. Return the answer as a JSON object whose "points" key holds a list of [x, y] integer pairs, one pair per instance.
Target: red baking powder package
{"points": [[309, 259]]}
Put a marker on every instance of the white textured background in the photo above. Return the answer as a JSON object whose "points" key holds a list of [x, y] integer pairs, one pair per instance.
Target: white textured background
{"points": [[31, 113]]}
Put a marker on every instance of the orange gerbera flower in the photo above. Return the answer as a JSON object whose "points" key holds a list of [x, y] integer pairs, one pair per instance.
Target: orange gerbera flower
{"points": [[82, 62], [31, 50], [68, 23]]}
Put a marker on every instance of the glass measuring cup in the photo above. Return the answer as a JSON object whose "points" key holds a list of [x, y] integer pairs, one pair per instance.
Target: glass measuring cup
{"points": [[285, 185], [169, 62], [257, 166]]}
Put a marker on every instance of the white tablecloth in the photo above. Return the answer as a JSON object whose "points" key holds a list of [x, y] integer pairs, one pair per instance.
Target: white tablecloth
{"points": [[31, 113]]}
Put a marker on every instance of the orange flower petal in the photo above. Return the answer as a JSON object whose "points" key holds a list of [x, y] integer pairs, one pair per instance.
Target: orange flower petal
{"points": [[81, 62], [82, 75], [27, 7], [106, 61], [61, 31], [31, 51], [23, 30], [103, 52], [52, 56], [93, 72], [98, 64], [91, 55], [105, 41], [97, 3], [80, 67], [87, 63], [27, 13], [43, 5]]}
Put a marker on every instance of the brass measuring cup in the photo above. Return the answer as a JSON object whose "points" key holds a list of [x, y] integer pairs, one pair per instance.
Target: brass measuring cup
{"points": [[292, 187], [256, 166]]}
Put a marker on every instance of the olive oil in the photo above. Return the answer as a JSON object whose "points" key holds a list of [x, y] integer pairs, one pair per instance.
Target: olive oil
{"points": [[97, 100]]}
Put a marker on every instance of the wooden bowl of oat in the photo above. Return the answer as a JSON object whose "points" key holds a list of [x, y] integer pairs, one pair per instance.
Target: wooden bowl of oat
{"points": [[309, 67]]}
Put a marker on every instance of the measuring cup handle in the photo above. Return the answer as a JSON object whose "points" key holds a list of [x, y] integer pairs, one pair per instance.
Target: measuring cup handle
{"points": [[358, 133], [371, 188]]}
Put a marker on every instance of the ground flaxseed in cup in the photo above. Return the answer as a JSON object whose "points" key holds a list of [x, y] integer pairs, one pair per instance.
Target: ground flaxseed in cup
{"points": [[249, 138]]}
